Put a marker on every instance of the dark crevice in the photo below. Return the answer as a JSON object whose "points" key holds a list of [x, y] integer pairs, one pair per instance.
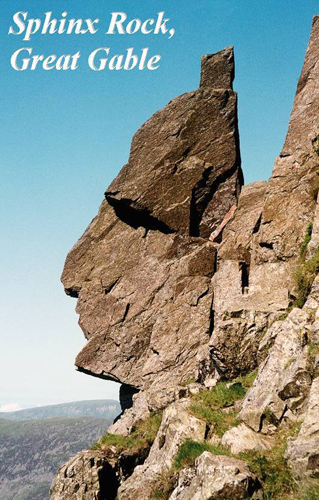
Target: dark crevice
{"points": [[108, 481], [217, 363], [126, 396], [215, 264], [72, 292], [102, 375], [264, 244], [202, 194], [207, 431], [244, 268], [126, 312], [211, 318], [109, 288], [136, 217], [257, 225], [201, 296]]}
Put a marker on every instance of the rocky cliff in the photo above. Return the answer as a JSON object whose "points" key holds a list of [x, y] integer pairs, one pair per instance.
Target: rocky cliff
{"points": [[190, 284]]}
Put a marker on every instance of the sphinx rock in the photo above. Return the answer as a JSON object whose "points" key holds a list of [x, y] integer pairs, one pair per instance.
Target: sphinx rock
{"points": [[142, 270]]}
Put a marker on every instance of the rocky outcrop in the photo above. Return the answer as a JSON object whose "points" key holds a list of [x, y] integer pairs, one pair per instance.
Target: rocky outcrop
{"points": [[254, 282], [215, 477], [185, 275], [303, 452], [177, 426], [289, 201], [284, 379], [88, 476], [242, 438], [142, 270]]}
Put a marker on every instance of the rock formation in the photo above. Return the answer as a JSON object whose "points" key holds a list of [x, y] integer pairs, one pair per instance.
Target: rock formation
{"points": [[142, 270], [184, 276]]}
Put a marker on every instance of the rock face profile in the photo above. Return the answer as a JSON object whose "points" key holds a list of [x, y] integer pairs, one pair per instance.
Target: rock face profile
{"points": [[142, 270], [200, 296]]}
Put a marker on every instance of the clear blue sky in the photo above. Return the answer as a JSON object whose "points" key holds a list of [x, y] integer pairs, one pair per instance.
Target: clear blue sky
{"points": [[65, 135]]}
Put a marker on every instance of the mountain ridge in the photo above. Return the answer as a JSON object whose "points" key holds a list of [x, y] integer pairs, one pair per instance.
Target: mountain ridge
{"points": [[102, 408]]}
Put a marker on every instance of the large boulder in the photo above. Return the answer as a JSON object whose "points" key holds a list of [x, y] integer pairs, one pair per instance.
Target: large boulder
{"points": [[303, 451], [216, 477], [283, 380], [177, 426], [87, 476], [241, 438]]}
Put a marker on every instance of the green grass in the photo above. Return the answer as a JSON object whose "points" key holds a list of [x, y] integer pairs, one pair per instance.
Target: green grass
{"points": [[221, 396], [309, 493], [313, 351], [304, 278], [188, 382], [141, 438], [185, 457], [273, 473], [208, 405], [306, 240], [272, 469], [190, 450], [283, 316], [248, 379], [164, 485], [289, 362]]}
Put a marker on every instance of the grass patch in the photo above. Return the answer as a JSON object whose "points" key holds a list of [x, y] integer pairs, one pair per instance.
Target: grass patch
{"points": [[289, 362], [272, 469], [190, 450], [185, 457], [283, 316], [188, 382], [248, 379], [313, 350], [309, 493], [220, 421], [273, 473], [141, 438], [207, 405], [222, 395], [210, 405], [304, 278], [164, 485], [306, 240]]}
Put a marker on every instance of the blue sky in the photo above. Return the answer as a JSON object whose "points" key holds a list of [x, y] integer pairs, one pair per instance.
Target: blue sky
{"points": [[65, 135]]}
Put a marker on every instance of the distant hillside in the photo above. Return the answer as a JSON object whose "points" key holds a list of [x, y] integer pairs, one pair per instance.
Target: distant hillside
{"points": [[33, 444], [100, 408], [31, 452]]}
